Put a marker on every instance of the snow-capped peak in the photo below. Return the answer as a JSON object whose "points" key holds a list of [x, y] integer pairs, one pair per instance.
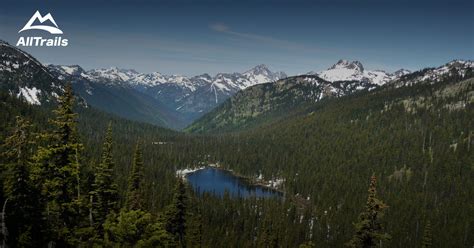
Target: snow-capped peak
{"points": [[182, 81], [112, 74], [461, 63], [345, 64], [259, 69], [401, 72], [431, 75], [64, 71], [225, 82], [261, 74], [345, 70], [71, 69], [149, 80]]}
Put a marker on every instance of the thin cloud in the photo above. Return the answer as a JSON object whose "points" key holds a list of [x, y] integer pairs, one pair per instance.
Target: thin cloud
{"points": [[219, 27], [222, 28]]}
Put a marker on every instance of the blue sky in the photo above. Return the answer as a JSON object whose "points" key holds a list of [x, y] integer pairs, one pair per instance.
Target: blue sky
{"points": [[193, 37]]}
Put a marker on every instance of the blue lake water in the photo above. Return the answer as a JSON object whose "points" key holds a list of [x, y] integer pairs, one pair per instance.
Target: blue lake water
{"points": [[217, 181]]}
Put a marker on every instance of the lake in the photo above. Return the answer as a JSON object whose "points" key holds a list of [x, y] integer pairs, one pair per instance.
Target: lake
{"points": [[217, 181]]}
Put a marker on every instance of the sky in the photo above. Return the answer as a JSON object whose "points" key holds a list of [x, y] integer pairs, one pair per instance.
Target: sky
{"points": [[194, 37]]}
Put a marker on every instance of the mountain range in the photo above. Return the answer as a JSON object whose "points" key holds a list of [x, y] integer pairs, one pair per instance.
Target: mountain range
{"points": [[184, 99], [176, 101], [181, 99], [285, 98]]}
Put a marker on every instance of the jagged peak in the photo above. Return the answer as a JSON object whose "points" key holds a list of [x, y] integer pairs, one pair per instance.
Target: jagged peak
{"points": [[460, 61], [68, 69], [204, 75], [114, 69], [343, 63], [155, 73], [259, 69], [2, 42], [402, 72], [261, 66], [72, 66]]}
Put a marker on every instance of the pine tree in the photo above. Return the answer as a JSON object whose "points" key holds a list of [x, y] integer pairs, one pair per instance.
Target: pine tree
{"points": [[105, 191], [175, 216], [135, 228], [194, 230], [427, 241], [369, 229], [134, 198], [268, 238], [58, 171], [22, 209]]}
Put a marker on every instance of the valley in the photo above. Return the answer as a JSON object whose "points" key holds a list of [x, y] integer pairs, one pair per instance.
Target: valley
{"points": [[171, 101], [240, 124]]}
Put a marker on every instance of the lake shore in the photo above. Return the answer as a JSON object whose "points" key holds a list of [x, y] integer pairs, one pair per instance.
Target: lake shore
{"points": [[273, 185]]}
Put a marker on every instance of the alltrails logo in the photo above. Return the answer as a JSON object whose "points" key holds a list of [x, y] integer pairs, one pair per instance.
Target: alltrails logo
{"points": [[46, 23]]}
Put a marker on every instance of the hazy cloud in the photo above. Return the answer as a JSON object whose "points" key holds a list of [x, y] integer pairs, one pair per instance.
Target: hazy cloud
{"points": [[219, 27], [285, 44]]}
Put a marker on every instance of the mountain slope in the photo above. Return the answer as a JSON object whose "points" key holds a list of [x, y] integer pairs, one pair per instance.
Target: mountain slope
{"points": [[104, 93], [178, 100], [23, 76], [417, 139], [455, 69], [170, 101], [271, 102]]}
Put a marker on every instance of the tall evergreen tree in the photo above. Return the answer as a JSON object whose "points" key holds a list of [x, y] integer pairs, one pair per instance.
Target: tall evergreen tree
{"points": [[175, 216], [194, 228], [22, 209], [59, 172], [369, 229], [268, 238], [105, 191], [427, 241], [134, 198]]}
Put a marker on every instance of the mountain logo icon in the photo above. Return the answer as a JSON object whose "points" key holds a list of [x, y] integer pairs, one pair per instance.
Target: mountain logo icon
{"points": [[37, 16]]}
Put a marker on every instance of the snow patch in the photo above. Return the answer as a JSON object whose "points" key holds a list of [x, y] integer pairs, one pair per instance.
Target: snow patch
{"points": [[69, 69], [30, 95], [184, 172]]}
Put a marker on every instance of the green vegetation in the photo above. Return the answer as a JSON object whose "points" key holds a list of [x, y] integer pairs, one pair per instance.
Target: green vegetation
{"points": [[78, 176], [369, 228], [104, 196], [52, 198]]}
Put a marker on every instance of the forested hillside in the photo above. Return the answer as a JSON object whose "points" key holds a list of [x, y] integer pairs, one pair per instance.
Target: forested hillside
{"points": [[418, 141], [293, 96], [272, 101], [102, 167]]}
